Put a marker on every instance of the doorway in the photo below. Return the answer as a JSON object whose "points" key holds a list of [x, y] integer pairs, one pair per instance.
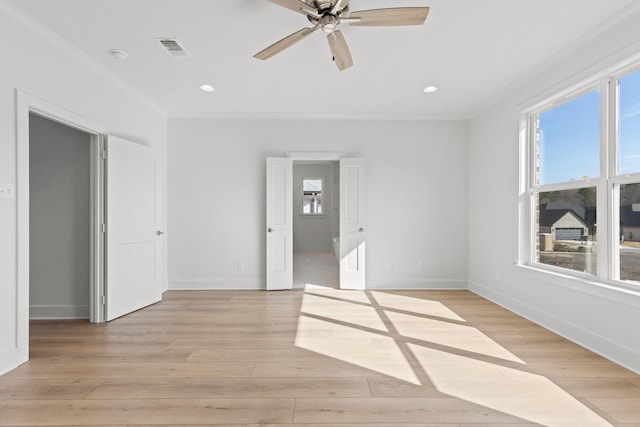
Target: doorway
{"points": [[60, 222], [280, 219], [124, 188], [316, 223]]}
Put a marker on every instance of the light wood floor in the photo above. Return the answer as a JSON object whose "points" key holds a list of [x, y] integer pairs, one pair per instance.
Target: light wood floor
{"points": [[318, 356]]}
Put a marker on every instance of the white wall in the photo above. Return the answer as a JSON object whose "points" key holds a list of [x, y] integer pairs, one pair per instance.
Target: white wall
{"points": [[602, 319], [416, 197], [38, 63], [312, 233], [59, 220]]}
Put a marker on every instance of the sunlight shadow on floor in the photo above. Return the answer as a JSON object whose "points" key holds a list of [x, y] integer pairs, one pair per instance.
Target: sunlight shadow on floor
{"points": [[350, 326], [343, 311], [415, 305], [449, 334], [525, 395], [361, 348]]}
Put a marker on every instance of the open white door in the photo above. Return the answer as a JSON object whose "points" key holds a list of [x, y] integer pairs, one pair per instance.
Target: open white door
{"points": [[352, 223], [279, 223], [133, 236]]}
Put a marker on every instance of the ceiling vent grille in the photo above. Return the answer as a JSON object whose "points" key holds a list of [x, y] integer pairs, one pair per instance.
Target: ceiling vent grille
{"points": [[173, 47]]}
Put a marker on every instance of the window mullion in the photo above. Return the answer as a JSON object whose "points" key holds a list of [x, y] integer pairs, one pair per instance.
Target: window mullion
{"points": [[613, 187], [604, 229]]}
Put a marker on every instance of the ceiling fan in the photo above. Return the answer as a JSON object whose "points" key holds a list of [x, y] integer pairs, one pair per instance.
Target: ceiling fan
{"points": [[328, 14]]}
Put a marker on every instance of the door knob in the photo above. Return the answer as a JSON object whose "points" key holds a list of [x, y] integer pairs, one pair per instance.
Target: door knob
{"points": [[159, 233], [270, 229], [360, 230]]}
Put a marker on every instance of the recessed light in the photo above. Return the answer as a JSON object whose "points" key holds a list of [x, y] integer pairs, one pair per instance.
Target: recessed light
{"points": [[118, 55], [430, 89], [207, 88]]}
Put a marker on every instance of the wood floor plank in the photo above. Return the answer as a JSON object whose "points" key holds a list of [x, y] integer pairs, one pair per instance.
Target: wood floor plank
{"points": [[400, 411], [622, 409], [264, 354], [37, 388], [132, 370], [600, 386], [307, 370], [151, 411], [231, 387], [392, 387]]}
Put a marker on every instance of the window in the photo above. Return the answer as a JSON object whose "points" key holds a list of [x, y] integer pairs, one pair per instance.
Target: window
{"points": [[630, 232], [583, 181], [312, 196]]}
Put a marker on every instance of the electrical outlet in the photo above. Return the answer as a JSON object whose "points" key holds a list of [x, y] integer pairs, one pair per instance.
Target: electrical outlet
{"points": [[388, 265], [241, 265], [7, 191], [421, 266]]}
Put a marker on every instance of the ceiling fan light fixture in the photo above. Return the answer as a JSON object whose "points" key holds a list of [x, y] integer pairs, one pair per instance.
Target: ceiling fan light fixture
{"points": [[207, 88], [430, 89], [329, 28], [328, 23]]}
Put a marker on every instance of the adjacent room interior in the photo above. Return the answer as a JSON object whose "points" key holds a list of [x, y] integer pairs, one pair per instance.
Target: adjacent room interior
{"points": [[400, 213], [316, 223]]}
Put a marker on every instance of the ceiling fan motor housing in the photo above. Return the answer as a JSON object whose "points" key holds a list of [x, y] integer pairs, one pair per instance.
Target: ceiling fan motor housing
{"points": [[328, 23]]}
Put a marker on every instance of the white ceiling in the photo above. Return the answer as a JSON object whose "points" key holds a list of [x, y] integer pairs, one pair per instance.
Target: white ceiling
{"points": [[470, 49]]}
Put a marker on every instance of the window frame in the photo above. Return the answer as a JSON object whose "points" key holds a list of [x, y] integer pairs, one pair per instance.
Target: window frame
{"points": [[323, 194], [607, 184]]}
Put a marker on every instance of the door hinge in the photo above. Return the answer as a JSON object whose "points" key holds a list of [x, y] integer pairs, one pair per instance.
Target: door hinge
{"points": [[103, 154], [103, 300], [103, 228]]}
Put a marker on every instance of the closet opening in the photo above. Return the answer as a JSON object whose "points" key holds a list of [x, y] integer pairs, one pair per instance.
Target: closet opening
{"points": [[61, 220]]}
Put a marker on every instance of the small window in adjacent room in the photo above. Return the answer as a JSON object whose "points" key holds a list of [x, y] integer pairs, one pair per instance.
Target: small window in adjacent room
{"points": [[312, 196]]}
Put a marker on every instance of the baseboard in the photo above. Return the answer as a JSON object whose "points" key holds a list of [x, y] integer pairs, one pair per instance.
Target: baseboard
{"points": [[212, 284], [393, 284], [44, 312], [215, 284], [599, 344]]}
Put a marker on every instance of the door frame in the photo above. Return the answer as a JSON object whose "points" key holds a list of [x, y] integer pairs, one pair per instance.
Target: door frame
{"points": [[26, 104], [320, 156]]}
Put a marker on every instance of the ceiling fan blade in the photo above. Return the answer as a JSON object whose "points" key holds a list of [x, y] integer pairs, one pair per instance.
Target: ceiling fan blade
{"points": [[340, 50], [297, 6], [286, 42], [394, 16]]}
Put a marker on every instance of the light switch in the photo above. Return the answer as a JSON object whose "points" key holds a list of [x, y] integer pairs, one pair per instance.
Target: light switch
{"points": [[7, 191]]}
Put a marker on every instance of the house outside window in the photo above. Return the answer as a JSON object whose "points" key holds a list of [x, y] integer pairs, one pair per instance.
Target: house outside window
{"points": [[582, 180]]}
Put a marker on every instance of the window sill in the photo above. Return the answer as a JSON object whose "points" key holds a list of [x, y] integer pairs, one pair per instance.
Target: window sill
{"points": [[619, 292]]}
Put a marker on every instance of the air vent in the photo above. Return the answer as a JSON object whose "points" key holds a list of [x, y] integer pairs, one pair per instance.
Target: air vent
{"points": [[173, 47]]}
